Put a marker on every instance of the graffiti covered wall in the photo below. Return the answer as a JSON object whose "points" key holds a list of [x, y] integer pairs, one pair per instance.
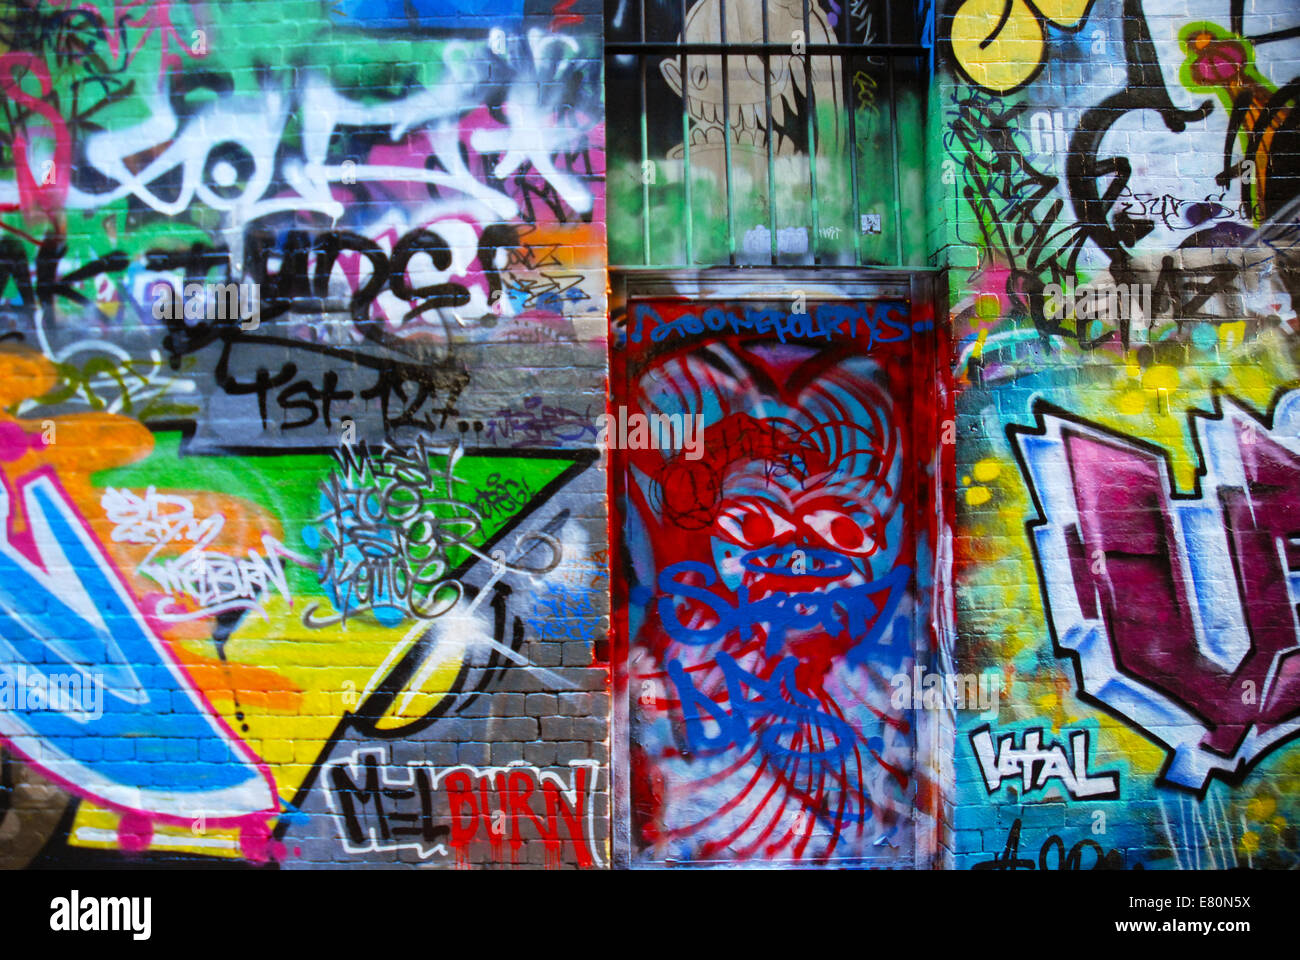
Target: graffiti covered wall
{"points": [[1120, 180], [305, 420], [303, 310]]}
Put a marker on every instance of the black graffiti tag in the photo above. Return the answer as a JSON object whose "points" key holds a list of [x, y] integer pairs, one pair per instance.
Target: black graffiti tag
{"points": [[1076, 859]]}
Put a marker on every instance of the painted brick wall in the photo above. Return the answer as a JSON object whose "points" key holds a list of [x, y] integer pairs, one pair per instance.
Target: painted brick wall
{"points": [[321, 572], [302, 351], [1139, 626]]}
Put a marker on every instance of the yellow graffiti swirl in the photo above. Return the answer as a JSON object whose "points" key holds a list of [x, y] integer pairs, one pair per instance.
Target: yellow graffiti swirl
{"points": [[999, 44]]}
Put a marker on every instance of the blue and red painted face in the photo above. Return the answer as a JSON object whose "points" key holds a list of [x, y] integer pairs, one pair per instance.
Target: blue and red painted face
{"points": [[775, 597]]}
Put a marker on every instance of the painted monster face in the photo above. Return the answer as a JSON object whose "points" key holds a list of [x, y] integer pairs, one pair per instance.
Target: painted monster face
{"points": [[747, 119], [798, 501], [805, 540], [777, 602]]}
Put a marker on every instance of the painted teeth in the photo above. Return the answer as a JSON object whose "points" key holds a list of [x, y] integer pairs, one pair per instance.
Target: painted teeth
{"points": [[746, 120], [854, 579]]}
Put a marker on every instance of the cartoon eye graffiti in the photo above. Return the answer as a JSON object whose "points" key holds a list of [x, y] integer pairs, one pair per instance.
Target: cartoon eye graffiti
{"points": [[752, 523], [228, 169], [840, 531]]}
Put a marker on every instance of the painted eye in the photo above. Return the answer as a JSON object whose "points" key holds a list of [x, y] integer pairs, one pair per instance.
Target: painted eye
{"points": [[840, 531], [751, 523]]}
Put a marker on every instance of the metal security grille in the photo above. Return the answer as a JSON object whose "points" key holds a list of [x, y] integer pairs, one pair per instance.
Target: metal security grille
{"points": [[838, 51]]}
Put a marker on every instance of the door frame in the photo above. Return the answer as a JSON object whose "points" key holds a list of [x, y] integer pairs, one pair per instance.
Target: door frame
{"points": [[933, 422]]}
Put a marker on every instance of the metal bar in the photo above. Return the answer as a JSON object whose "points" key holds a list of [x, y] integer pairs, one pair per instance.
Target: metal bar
{"points": [[847, 84], [756, 283], [686, 141], [810, 105], [893, 139], [645, 160], [822, 49], [726, 136], [771, 160], [645, 149]]}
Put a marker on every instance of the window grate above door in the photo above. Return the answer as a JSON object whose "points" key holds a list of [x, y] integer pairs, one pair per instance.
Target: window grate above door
{"points": [[766, 132]]}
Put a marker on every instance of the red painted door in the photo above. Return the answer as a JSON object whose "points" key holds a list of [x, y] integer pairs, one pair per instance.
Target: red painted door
{"points": [[774, 446]]}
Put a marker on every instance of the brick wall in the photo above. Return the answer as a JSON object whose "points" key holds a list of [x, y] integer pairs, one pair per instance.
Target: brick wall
{"points": [[322, 569], [302, 358], [1145, 151]]}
